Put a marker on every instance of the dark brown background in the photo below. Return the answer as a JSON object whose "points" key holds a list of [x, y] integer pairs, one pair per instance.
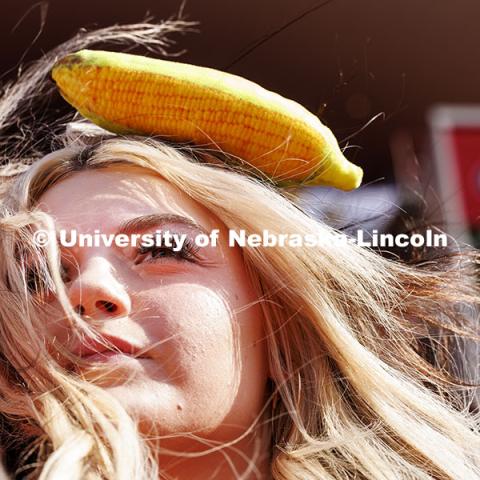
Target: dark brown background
{"points": [[399, 56]]}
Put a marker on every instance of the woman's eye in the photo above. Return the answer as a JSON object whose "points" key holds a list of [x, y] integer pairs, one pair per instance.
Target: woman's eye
{"points": [[156, 253], [68, 267], [33, 280], [64, 274], [38, 284]]}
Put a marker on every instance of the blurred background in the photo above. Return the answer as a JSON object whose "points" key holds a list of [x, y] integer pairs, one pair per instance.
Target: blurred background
{"points": [[397, 82]]}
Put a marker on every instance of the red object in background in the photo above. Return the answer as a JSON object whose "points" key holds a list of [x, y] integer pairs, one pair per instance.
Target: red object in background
{"points": [[456, 147], [466, 148]]}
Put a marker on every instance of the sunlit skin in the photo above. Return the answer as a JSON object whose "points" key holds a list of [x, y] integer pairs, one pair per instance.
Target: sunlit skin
{"points": [[197, 319]]}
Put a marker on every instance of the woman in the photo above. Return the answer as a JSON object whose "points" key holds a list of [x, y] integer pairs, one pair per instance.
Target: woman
{"points": [[215, 362]]}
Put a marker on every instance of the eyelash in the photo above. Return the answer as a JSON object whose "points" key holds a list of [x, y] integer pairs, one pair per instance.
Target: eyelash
{"points": [[187, 253]]}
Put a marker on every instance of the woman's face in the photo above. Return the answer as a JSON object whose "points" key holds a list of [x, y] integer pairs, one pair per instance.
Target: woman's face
{"points": [[194, 314]]}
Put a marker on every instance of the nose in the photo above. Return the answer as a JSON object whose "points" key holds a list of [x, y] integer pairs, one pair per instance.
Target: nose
{"points": [[97, 293]]}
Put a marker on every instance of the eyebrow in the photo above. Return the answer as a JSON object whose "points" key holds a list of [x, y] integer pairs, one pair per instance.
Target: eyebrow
{"points": [[139, 224]]}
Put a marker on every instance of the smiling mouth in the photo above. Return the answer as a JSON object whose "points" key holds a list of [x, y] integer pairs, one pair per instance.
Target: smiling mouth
{"points": [[108, 355], [109, 348]]}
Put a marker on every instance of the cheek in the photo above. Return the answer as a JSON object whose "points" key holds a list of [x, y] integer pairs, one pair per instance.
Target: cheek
{"points": [[55, 329], [197, 342]]}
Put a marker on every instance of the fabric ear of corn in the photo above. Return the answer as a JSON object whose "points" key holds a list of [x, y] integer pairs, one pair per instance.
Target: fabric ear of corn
{"points": [[126, 93]]}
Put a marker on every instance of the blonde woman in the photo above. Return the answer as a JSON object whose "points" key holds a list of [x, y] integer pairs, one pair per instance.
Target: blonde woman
{"points": [[216, 362]]}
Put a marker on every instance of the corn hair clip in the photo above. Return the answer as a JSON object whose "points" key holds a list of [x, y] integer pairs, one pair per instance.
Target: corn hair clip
{"points": [[133, 94]]}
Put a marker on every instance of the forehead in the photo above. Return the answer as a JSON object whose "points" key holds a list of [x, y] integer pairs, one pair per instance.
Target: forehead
{"points": [[110, 196]]}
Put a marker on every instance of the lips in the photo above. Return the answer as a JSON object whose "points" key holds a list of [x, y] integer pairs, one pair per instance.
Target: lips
{"points": [[107, 347]]}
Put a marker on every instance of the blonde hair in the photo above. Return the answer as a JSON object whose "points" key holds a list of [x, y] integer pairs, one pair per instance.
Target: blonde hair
{"points": [[354, 392]]}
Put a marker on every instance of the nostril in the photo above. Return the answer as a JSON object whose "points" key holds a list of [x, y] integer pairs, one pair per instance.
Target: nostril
{"points": [[106, 306], [80, 309]]}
